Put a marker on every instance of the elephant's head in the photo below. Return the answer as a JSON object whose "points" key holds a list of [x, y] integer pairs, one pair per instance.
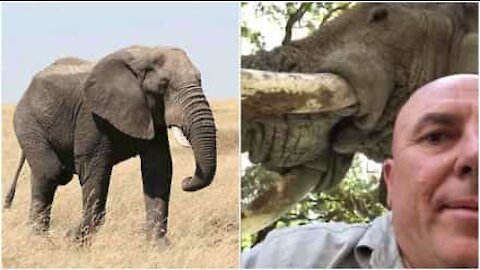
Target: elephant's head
{"points": [[362, 66], [139, 89], [379, 48]]}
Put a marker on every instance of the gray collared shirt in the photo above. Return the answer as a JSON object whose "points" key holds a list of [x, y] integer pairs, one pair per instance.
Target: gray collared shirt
{"points": [[328, 245]]}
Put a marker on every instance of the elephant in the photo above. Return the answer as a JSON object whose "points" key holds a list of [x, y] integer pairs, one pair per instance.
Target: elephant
{"points": [[79, 117], [308, 106]]}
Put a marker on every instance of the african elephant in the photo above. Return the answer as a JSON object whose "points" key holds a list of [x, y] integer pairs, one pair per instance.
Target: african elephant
{"points": [[337, 92], [82, 118]]}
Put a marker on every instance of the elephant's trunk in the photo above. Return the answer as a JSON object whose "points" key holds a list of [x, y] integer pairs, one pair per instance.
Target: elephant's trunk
{"points": [[199, 127]]}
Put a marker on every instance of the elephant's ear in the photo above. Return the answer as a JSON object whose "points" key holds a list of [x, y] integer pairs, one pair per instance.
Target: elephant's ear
{"points": [[113, 93]]}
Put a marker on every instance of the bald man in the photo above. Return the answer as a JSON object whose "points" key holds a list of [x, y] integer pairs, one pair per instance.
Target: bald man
{"points": [[432, 183]]}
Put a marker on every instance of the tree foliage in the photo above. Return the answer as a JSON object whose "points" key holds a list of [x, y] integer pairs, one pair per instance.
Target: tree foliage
{"points": [[354, 200], [292, 17]]}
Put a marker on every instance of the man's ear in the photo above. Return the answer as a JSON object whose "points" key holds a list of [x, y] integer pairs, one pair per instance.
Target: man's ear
{"points": [[388, 165]]}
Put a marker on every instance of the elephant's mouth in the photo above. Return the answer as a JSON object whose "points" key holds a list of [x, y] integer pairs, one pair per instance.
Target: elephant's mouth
{"points": [[300, 109], [307, 106]]}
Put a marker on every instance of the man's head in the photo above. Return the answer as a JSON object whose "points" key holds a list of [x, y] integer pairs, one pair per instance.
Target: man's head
{"points": [[432, 179]]}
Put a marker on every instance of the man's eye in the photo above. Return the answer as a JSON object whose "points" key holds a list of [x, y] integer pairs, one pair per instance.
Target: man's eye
{"points": [[435, 137]]}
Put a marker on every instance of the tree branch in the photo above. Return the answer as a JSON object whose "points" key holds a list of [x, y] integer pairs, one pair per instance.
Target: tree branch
{"points": [[332, 11], [292, 19]]}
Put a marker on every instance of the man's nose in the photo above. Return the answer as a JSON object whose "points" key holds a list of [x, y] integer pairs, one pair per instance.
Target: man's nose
{"points": [[467, 163]]}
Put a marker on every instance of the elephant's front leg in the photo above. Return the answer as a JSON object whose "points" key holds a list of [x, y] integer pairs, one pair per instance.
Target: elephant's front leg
{"points": [[95, 180], [157, 176]]}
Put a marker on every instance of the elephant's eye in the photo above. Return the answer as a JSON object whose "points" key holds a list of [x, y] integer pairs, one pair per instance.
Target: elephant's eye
{"points": [[155, 83], [163, 83], [147, 72]]}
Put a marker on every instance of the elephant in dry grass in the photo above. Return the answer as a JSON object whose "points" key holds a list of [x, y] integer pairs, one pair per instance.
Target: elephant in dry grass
{"points": [[78, 117]]}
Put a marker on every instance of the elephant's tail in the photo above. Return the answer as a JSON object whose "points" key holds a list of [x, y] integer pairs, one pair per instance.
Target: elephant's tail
{"points": [[11, 192]]}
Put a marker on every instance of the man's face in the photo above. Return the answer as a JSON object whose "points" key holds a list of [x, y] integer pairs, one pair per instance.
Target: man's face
{"points": [[432, 179]]}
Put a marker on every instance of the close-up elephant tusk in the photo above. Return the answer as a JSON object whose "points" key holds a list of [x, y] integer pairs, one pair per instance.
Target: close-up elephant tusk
{"points": [[180, 137], [266, 94], [285, 192]]}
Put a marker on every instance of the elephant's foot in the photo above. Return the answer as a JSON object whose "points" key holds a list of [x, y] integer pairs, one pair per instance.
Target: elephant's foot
{"points": [[79, 236], [40, 224], [157, 234], [162, 242], [39, 228], [158, 241], [82, 234]]}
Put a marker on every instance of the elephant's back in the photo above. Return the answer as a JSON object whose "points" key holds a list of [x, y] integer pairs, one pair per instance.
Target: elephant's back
{"points": [[49, 107], [58, 86], [51, 97], [67, 66]]}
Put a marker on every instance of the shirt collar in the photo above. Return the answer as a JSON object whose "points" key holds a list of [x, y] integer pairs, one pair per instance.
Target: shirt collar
{"points": [[378, 248]]}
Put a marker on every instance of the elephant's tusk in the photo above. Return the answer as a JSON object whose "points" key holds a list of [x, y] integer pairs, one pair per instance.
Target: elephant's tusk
{"points": [[267, 94], [180, 137], [288, 190]]}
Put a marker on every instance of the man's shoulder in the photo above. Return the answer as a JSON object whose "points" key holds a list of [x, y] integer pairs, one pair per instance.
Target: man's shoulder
{"points": [[314, 232], [313, 245]]}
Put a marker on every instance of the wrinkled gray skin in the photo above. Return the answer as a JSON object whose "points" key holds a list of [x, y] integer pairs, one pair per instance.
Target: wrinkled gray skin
{"points": [[82, 118], [385, 51]]}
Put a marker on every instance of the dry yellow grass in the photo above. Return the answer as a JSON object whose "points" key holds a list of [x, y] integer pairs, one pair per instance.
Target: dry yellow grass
{"points": [[203, 226]]}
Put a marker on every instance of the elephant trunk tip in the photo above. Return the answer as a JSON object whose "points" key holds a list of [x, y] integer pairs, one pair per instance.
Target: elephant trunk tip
{"points": [[194, 183]]}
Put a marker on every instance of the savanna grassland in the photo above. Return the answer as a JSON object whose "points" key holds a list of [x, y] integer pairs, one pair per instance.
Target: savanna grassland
{"points": [[203, 225]]}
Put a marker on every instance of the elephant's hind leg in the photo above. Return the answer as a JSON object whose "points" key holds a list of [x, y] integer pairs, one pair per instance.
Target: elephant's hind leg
{"points": [[41, 204], [47, 174]]}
